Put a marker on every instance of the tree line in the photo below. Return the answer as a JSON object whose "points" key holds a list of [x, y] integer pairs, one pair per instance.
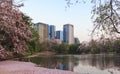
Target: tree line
{"points": [[18, 37], [106, 45]]}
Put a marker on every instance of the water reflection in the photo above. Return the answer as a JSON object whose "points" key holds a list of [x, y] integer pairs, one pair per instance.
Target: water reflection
{"points": [[92, 64], [99, 64], [101, 61]]}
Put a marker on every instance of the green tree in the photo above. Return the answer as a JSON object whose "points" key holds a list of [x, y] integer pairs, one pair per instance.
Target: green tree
{"points": [[61, 48], [117, 46], [33, 44], [73, 49]]}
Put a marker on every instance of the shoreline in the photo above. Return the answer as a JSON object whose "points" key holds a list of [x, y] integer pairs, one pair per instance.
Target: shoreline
{"points": [[44, 53], [17, 67]]}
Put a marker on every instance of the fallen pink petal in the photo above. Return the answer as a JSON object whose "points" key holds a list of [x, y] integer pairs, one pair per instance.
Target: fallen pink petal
{"points": [[16, 67]]}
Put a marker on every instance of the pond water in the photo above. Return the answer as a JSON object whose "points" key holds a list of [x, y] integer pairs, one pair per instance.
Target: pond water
{"points": [[90, 64]]}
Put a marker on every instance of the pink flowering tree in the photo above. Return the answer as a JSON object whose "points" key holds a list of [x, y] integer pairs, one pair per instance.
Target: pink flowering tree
{"points": [[14, 33]]}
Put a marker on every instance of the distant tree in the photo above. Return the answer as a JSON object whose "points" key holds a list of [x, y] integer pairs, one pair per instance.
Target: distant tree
{"points": [[14, 33], [61, 48], [106, 16], [84, 49], [117, 46], [73, 49]]}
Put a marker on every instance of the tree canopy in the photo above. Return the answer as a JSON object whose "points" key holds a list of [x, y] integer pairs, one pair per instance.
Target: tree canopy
{"points": [[13, 29], [106, 14]]}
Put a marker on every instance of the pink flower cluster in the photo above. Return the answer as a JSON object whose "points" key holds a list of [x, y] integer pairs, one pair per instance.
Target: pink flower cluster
{"points": [[13, 31]]}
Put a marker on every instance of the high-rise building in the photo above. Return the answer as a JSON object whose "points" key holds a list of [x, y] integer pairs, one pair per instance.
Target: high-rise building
{"points": [[59, 35], [68, 33], [42, 30], [76, 41], [51, 32]]}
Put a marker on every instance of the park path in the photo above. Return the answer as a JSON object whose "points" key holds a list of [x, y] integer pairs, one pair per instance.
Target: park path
{"points": [[17, 67]]}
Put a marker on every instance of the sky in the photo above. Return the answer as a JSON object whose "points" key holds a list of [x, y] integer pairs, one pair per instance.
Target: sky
{"points": [[54, 12]]}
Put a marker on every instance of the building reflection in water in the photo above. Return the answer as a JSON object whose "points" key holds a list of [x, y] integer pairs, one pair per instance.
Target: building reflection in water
{"points": [[99, 64], [63, 64]]}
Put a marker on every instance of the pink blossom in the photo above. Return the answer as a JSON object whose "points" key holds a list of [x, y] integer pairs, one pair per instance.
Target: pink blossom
{"points": [[13, 30]]}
